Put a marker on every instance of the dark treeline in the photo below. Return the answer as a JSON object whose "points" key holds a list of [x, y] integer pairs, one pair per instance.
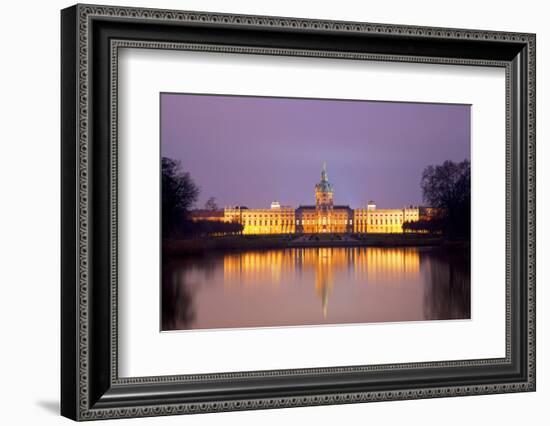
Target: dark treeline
{"points": [[433, 225], [446, 188], [179, 193], [204, 228]]}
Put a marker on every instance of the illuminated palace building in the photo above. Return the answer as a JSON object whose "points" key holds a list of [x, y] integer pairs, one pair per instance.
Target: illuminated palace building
{"points": [[323, 217]]}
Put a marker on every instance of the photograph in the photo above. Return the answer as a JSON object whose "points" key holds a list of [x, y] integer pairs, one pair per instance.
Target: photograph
{"points": [[280, 212]]}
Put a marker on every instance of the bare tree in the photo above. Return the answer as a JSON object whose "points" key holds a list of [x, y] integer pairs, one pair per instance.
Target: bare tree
{"points": [[211, 204], [447, 187], [179, 192]]}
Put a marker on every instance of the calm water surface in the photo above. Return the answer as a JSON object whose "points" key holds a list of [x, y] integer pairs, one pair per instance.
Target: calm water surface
{"points": [[306, 286]]}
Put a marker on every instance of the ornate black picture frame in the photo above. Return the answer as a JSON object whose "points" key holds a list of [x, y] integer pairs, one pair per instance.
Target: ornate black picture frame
{"points": [[90, 38]]}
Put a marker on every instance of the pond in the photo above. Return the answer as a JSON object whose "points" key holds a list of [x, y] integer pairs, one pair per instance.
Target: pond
{"points": [[315, 286]]}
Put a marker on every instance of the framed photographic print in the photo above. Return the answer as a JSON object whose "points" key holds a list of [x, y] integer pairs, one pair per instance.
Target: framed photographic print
{"points": [[263, 212]]}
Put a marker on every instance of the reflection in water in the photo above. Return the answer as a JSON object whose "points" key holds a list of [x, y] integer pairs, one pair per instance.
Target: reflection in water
{"points": [[448, 293], [304, 286]]}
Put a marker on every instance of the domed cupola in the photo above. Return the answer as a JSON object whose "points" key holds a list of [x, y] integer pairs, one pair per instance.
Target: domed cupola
{"points": [[323, 190]]}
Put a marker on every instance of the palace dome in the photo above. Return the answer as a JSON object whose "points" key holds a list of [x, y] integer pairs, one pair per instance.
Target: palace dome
{"points": [[324, 185]]}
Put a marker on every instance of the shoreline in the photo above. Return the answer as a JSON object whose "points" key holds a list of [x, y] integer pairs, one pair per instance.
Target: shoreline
{"points": [[174, 247]]}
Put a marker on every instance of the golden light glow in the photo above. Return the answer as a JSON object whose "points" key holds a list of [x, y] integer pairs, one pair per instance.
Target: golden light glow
{"points": [[263, 221], [323, 217], [268, 268]]}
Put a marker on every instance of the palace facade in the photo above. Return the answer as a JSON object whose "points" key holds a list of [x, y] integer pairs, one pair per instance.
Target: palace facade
{"points": [[322, 217]]}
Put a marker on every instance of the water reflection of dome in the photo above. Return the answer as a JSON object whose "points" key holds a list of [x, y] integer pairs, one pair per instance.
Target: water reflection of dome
{"points": [[392, 267], [324, 278]]}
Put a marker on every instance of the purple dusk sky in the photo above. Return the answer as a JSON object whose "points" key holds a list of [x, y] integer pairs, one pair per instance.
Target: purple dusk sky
{"points": [[251, 150]]}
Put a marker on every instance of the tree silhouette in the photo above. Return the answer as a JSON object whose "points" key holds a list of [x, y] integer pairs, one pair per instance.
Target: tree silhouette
{"points": [[447, 187], [211, 204], [179, 192]]}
